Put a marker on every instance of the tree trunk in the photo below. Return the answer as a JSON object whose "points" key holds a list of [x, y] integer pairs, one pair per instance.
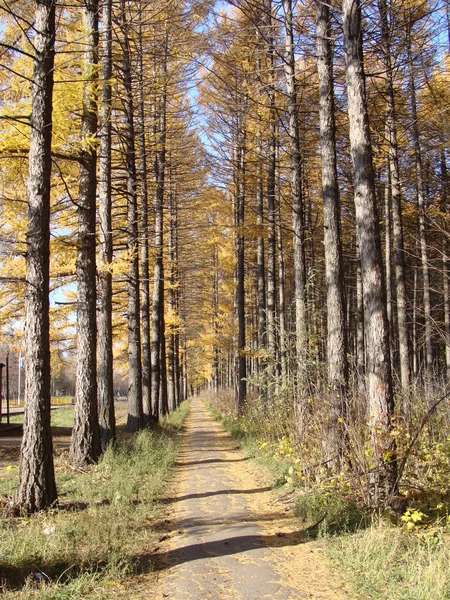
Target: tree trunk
{"points": [[158, 278], [37, 488], [105, 392], [422, 216], [360, 337], [281, 295], [388, 262], [445, 262], [135, 418], [297, 217], [240, 291], [394, 172], [145, 271], [85, 446], [171, 302], [337, 345], [261, 292], [383, 479]]}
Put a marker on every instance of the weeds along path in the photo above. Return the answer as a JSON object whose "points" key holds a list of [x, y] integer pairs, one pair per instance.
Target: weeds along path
{"points": [[228, 535]]}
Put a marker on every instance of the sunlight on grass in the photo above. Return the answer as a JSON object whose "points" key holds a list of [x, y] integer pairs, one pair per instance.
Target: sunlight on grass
{"points": [[104, 524], [388, 563]]}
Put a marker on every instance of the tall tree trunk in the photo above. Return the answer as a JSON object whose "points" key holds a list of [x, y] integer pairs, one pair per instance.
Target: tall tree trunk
{"points": [[297, 217], [171, 301], [383, 479], [271, 313], [215, 278], [240, 271], [85, 446], [394, 172], [388, 262], [135, 418], [158, 278], [445, 261], [337, 345], [105, 392], [360, 336], [37, 488], [145, 271], [422, 215], [281, 295]]}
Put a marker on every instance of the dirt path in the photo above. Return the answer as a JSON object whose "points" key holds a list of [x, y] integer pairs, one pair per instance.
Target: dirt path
{"points": [[229, 537]]}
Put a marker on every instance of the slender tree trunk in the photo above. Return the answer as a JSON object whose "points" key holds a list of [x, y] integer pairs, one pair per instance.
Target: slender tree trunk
{"points": [[171, 303], [281, 295], [337, 345], [297, 217], [445, 262], [163, 393], [105, 392], [37, 488], [239, 178], [135, 418], [416, 357], [271, 315], [158, 278], [394, 173], [422, 215], [383, 480], [360, 336], [388, 263], [85, 446], [240, 290], [260, 255], [145, 272], [215, 265]]}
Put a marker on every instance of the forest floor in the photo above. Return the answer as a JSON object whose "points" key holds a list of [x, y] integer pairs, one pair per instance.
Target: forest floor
{"points": [[226, 534]]}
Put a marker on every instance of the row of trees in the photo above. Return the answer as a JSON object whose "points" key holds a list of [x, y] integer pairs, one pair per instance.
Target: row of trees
{"points": [[113, 166], [250, 198], [329, 132]]}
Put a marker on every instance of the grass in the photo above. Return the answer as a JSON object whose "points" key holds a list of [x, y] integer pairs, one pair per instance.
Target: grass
{"points": [[387, 563], [102, 530], [60, 417], [381, 560]]}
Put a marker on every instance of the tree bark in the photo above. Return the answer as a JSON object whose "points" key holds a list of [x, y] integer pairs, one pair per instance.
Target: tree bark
{"points": [[85, 447], [240, 290], [395, 186], [420, 188], [159, 169], [445, 262], [171, 299], [37, 488], [297, 217], [383, 479], [135, 418], [337, 344], [145, 270], [105, 392]]}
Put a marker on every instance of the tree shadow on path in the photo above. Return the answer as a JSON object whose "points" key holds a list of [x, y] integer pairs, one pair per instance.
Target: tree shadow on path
{"points": [[224, 547], [215, 493]]}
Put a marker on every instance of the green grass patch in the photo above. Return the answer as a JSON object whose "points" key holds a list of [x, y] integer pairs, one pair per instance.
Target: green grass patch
{"points": [[103, 527], [60, 417]]}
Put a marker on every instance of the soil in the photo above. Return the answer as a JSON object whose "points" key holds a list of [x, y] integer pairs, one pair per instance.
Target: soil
{"points": [[227, 534]]}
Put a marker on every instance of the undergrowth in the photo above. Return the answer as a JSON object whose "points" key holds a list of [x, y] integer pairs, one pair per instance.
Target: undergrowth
{"points": [[102, 527], [388, 555]]}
